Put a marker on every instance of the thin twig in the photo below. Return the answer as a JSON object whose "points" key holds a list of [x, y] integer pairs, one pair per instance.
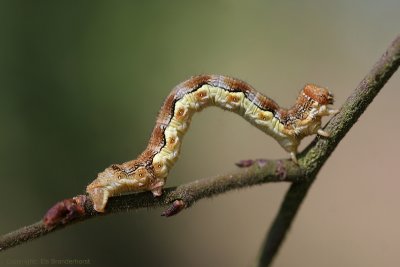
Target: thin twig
{"points": [[318, 151], [80, 208]]}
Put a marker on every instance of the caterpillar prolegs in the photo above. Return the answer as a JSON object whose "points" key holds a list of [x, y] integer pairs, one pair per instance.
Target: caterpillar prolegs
{"points": [[149, 171]]}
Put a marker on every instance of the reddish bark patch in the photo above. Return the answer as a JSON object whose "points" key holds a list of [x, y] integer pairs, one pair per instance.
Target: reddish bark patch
{"points": [[65, 211]]}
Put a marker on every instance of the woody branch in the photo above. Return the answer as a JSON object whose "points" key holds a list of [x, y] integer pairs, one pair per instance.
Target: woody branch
{"points": [[316, 154]]}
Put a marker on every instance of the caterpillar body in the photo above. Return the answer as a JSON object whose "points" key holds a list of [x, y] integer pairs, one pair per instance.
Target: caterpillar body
{"points": [[149, 171]]}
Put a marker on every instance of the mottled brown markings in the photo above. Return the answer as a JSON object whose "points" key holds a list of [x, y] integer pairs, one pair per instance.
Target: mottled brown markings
{"points": [[143, 160], [165, 114], [157, 136], [196, 81], [237, 85], [299, 111], [324, 97], [119, 170], [267, 104], [290, 123], [115, 167]]}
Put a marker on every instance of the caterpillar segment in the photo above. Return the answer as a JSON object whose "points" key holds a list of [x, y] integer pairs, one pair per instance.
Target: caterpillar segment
{"points": [[149, 171]]}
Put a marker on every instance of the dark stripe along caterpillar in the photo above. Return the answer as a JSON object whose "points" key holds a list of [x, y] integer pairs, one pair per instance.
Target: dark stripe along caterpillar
{"points": [[149, 171]]}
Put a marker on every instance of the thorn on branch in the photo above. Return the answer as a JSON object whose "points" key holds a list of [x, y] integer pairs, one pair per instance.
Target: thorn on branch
{"points": [[249, 162]]}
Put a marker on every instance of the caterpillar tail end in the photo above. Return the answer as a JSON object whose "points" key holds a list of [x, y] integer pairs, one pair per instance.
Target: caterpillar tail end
{"points": [[99, 198]]}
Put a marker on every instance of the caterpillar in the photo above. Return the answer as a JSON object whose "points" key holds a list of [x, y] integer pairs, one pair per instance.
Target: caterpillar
{"points": [[149, 171]]}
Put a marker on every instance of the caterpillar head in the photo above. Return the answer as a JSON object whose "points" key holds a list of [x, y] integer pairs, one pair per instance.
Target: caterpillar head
{"points": [[319, 94], [120, 179], [311, 105]]}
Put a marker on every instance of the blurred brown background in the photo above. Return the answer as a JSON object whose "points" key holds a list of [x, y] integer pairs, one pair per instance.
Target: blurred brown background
{"points": [[81, 83]]}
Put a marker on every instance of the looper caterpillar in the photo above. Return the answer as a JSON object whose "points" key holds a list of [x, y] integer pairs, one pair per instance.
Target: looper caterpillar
{"points": [[150, 170]]}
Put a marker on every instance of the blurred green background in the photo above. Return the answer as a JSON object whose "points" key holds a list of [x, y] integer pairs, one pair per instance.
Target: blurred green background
{"points": [[81, 83]]}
